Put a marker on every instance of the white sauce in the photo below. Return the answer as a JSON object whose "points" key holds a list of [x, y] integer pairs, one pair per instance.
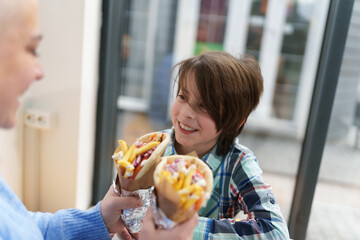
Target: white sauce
{"points": [[183, 191], [143, 162], [175, 175], [201, 182], [129, 174], [118, 156]]}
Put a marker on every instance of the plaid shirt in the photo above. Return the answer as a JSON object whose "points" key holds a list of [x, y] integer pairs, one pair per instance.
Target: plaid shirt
{"points": [[238, 186]]}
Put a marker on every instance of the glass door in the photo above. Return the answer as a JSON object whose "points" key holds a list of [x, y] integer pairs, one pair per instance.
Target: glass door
{"points": [[137, 41], [283, 35], [146, 46]]}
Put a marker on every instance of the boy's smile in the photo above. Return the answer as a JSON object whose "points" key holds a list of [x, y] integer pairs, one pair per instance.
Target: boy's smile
{"points": [[194, 128], [186, 129]]}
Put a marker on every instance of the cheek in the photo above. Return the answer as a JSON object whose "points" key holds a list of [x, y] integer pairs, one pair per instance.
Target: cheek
{"points": [[22, 71], [174, 110], [26, 76], [209, 125]]}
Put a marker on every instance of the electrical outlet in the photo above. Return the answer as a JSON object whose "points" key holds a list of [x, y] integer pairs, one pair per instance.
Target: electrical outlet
{"points": [[40, 119]]}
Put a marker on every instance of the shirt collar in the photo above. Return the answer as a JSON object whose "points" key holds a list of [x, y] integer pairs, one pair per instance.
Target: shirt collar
{"points": [[211, 158]]}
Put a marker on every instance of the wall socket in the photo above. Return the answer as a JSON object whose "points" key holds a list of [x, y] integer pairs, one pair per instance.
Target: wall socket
{"points": [[40, 119]]}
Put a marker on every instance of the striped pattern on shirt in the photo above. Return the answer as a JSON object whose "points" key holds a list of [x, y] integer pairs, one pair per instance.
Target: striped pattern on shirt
{"points": [[238, 186]]}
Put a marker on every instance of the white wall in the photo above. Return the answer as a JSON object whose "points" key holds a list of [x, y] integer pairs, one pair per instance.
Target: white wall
{"points": [[69, 56]]}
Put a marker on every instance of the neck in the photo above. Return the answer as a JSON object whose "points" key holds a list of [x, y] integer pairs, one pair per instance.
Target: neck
{"points": [[183, 150]]}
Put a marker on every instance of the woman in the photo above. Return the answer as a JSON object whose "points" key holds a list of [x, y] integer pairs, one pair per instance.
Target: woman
{"points": [[19, 67]]}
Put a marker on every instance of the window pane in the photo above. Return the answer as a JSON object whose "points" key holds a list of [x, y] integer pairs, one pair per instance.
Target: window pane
{"points": [[296, 31], [256, 27], [335, 213], [133, 46], [211, 25], [145, 64]]}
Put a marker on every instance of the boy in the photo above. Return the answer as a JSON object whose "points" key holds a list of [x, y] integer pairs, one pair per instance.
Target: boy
{"points": [[216, 94]]}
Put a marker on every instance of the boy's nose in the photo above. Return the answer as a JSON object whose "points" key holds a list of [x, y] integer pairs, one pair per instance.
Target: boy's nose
{"points": [[188, 111]]}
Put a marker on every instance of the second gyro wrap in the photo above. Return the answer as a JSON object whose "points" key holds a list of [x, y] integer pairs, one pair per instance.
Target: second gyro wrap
{"points": [[183, 184]]}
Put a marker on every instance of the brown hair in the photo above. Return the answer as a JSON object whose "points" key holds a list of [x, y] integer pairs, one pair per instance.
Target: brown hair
{"points": [[229, 88]]}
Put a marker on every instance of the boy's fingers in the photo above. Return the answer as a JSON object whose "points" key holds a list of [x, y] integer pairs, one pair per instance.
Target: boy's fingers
{"points": [[187, 226], [149, 215], [126, 202], [148, 227], [124, 234], [135, 235]]}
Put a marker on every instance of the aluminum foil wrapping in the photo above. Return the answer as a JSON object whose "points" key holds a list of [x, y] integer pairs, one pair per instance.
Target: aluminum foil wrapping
{"points": [[160, 219], [133, 217]]}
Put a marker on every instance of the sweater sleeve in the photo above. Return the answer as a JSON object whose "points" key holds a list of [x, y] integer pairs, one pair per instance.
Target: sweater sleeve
{"points": [[251, 195], [72, 224]]}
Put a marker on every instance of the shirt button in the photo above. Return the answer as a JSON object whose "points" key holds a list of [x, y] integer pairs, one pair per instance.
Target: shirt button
{"points": [[271, 197]]}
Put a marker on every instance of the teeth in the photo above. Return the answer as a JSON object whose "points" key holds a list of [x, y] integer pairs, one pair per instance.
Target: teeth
{"points": [[186, 128]]}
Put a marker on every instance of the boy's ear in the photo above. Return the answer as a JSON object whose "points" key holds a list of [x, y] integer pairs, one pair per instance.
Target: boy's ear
{"points": [[242, 122]]}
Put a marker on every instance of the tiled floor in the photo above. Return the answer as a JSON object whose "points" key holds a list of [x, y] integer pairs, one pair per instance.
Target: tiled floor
{"points": [[336, 207]]}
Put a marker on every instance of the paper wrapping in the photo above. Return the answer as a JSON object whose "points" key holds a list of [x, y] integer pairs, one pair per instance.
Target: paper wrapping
{"points": [[160, 218], [169, 202], [144, 182]]}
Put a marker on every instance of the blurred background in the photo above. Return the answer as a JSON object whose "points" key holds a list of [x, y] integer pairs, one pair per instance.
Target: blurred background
{"points": [[285, 36], [61, 165]]}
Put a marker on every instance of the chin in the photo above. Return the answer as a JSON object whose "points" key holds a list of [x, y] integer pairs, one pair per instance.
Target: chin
{"points": [[8, 123], [183, 142]]}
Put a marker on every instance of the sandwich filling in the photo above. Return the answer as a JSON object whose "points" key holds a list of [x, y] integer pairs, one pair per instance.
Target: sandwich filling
{"points": [[187, 181], [134, 158]]}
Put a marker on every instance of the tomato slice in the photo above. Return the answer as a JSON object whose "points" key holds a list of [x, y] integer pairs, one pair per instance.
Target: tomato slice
{"points": [[198, 204], [152, 137], [138, 168], [198, 172], [136, 171]]}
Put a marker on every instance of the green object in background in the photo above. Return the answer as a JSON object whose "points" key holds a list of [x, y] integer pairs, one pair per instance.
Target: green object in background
{"points": [[201, 47]]}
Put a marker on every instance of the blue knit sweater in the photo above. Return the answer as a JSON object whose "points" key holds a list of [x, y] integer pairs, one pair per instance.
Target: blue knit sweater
{"points": [[18, 223]]}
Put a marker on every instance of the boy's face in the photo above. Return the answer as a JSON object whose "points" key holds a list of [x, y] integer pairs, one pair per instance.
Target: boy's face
{"points": [[194, 128]]}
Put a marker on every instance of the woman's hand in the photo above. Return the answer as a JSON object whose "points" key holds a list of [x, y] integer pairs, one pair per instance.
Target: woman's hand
{"points": [[111, 207]]}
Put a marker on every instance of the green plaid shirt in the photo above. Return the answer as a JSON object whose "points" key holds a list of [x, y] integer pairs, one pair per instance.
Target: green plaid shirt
{"points": [[238, 186]]}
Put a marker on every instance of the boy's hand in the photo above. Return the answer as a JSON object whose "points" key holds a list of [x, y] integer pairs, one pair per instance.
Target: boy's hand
{"points": [[111, 207], [182, 231]]}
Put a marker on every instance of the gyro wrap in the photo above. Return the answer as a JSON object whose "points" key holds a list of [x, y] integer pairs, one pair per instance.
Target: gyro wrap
{"points": [[183, 184], [135, 167]]}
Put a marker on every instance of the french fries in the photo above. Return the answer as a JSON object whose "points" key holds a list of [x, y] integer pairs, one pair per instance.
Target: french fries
{"points": [[183, 182], [126, 157]]}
